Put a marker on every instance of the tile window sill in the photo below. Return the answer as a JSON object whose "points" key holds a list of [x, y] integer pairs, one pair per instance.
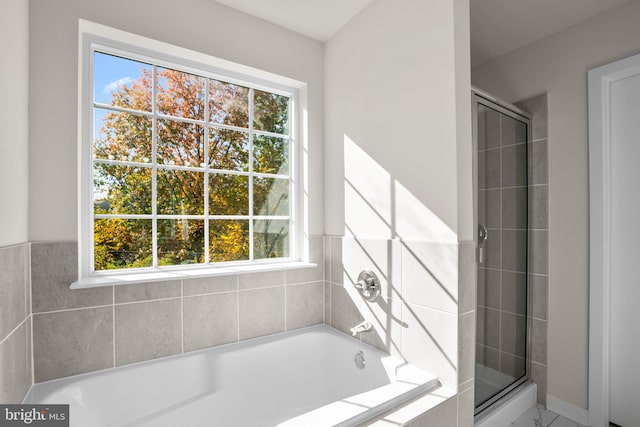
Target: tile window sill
{"points": [[160, 276]]}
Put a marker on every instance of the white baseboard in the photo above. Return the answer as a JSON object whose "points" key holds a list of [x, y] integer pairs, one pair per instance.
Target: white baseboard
{"points": [[568, 410], [510, 410]]}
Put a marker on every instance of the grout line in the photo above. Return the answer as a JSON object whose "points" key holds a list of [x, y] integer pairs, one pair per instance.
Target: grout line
{"points": [[113, 321], [182, 315], [238, 307], [72, 309], [13, 330]]}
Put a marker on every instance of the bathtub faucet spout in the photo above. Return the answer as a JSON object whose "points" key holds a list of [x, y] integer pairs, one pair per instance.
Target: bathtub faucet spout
{"points": [[361, 327]]}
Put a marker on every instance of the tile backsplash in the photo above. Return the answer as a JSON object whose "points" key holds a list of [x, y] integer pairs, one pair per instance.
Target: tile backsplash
{"points": [[15, 323], [79, 331]]}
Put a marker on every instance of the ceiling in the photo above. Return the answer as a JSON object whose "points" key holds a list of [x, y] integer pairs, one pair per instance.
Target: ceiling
{"points": [[497, 26], [318, 19], [500, 26]]}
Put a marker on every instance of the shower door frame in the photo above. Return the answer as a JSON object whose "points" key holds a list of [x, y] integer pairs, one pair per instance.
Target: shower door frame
{"points": [[487, 100]]}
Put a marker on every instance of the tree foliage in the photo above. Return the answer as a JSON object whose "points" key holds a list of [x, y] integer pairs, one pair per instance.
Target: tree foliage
{"points": [[127, 190]]}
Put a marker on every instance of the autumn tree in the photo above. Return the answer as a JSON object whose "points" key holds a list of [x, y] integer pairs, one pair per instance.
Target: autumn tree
{"points": [[181, 148]]}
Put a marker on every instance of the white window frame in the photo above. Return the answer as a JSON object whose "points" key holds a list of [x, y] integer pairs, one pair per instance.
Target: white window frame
{"points": [[95, 37]]}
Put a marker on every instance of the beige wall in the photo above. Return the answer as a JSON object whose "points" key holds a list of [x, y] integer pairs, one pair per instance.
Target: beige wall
{"points": [[393, 89], [201, 25], [558, 65], [14, 96]]}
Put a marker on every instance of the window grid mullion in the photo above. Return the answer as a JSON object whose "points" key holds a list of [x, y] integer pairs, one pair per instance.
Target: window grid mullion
{"points": [[154, 166], [251, 254], [205, 142]]}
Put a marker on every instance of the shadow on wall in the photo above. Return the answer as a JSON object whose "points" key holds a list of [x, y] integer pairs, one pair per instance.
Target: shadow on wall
{"points": [[416, 315]]}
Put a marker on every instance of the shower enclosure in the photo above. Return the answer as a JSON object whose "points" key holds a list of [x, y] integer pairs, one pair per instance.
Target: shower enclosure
{"points": [[501, 135]]}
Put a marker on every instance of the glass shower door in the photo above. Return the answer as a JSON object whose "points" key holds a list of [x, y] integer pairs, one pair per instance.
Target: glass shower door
{"points": [[502, 200]]}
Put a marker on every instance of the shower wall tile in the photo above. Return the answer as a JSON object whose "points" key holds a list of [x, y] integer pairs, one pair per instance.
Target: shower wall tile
{"points": [[514, 253], [261, 312], [539, 206], [427, 341], [466, 406], [14, 285], [492, 248], [489, 208], [210, 320], [380, 256], [344, 310], [512, 365], [489, 282], [15, 365], [539, 255], [539, 173], [467, 289], [539, 341], [210, 285], [488, 356], [539, 295], [445, 414], [512, 131], [430, 275], [488, 128], [489, 169], [514, 208], [261, 280], [72, 342], [514, 292], [147, 330], [386, 317], [488, 327], [539, 376], [54, 266], [514, 165], [313, 274], [513, 334], [538, 107], [466, 345], [302, 308], [336, 267], [147, 291]]}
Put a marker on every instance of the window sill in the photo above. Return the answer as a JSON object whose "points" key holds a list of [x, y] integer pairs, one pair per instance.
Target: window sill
{"points": [[162, 276]]}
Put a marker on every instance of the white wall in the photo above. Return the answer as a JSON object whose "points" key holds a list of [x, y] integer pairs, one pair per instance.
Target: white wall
{"points": [[14, 120], [558, 65], [201, 25], [391, 111]]}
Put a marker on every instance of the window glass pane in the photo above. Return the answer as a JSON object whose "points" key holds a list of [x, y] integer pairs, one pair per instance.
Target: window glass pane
{"points": [[180, 192], [228, 149], [270, 239], [270, 196], [122, 243], [270, 155], [121, 136], [228, 240], [122, 82], [180, 241], [180, 143], [228, 104], [228, 194], [180, 94], [121, 189], [271, 112]]}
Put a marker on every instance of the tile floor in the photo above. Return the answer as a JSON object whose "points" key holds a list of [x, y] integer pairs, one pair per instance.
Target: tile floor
{"points": [[540, 417]]}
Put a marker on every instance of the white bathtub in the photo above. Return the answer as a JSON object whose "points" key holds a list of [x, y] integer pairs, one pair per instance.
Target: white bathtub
{"points": [[303, 378]]}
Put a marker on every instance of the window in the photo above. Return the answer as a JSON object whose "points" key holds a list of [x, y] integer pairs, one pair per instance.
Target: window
{"points": [[188, 167]]}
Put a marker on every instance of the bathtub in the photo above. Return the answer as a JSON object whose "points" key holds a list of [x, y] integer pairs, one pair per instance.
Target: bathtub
{"points": [[309, 377]]}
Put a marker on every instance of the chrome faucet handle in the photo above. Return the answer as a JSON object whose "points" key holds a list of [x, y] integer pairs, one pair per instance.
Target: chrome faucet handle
{"points": [[368, 285]]}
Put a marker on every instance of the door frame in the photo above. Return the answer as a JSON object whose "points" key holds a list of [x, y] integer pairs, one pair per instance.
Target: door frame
{"points": [[600, 80]]}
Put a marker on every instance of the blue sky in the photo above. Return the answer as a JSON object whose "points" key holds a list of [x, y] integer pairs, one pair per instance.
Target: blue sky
{"points": [[111, 71], [108, 72]]}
